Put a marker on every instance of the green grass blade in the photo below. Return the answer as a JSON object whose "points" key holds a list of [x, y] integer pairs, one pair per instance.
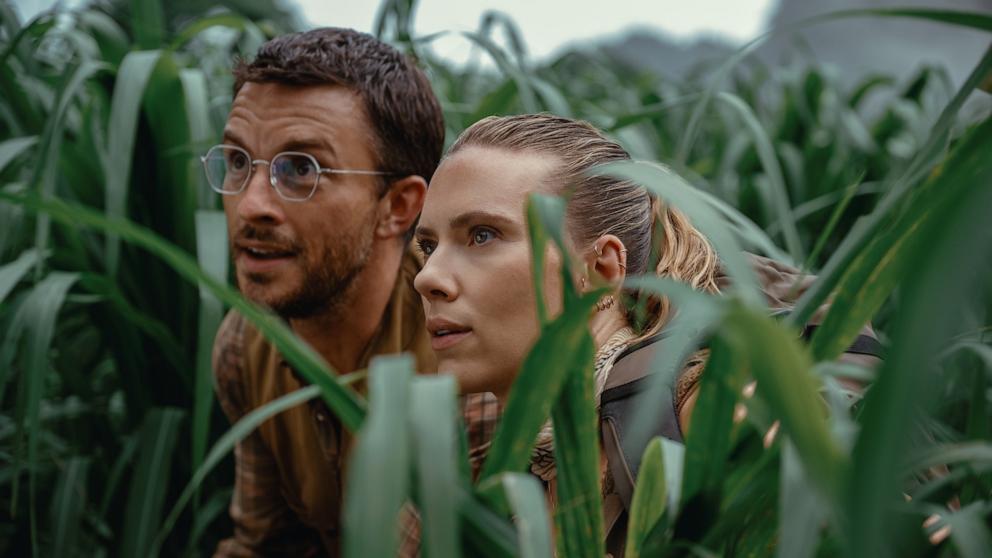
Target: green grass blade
{"points": [[697, 315], [225, 444], [777, 200], [197, 26], [544, 371], [802, 511], [708, 440], [875, 272], [433, 414], [969, 531], [865, 231], [675, 191], [527, 502], [650, 498], [129, 89], [211, 240], [782, 369], [68, 505], [10, 149], [341, 400], [149, 482], [45, 173], [939, 291], [37, 317], [378, 480], [528, 100], [579, 513], [197, 104], [11, 273], [147, 23]]}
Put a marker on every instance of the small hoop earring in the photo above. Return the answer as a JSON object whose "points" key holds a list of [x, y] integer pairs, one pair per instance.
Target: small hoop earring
{"points": [[605, 302]]}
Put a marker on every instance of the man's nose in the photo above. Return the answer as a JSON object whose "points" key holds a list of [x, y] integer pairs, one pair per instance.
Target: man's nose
{"points": [[435, 282], [259, 203]]}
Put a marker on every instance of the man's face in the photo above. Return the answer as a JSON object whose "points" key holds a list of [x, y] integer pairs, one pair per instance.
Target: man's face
{"points": [[300, 258]]}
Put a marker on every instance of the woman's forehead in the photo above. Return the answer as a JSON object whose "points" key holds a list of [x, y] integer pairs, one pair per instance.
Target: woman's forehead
{"points": [[485, 177]]}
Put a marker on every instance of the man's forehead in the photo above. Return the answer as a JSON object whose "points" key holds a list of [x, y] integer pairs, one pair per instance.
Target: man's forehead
{"points": [[297, 117]]}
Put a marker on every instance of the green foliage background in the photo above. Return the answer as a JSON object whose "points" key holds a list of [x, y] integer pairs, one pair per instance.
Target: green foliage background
{"points": [[113, 280]]}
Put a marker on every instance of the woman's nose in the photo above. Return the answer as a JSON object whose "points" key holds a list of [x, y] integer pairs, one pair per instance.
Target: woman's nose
{"points": [[435, 281]]}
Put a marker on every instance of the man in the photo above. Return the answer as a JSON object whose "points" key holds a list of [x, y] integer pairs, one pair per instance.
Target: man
{"points": [[330, 141]]}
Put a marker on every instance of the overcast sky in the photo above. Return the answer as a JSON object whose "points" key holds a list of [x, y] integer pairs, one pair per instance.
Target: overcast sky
{"points": [[547, 25]]}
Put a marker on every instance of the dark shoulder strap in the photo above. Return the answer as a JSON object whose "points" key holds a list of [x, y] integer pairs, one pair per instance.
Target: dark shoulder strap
{"points": [[624, 394]]}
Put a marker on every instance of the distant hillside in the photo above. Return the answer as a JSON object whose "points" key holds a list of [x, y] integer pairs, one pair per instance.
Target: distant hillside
{"points": [[857, 46]]}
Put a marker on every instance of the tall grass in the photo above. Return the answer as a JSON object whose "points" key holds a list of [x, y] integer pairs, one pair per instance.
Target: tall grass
{"points": [[113, 281]]}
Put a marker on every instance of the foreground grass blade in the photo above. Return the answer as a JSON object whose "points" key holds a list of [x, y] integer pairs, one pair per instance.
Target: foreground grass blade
{"points": [[579, 513], [44, 176], [37, 317], [226, 443], [529, 507], [433, 414], [876, 271], [211, 252], [777, 200], [969, 531], [149, 482], [68, 505], [341, 400], [802, 511], [650, 498], [709, 438], [935, 297], [132, 78], [678, 193], [12, 148], [11, 273], [378, 479], [869, 228], [782, 369]]}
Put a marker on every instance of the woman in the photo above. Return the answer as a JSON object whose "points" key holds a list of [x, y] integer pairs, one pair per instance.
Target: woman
{"points": [[476, 282]]}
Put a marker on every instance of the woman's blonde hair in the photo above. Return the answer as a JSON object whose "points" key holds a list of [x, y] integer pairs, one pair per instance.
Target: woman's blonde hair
{"points": [[599, 205]]}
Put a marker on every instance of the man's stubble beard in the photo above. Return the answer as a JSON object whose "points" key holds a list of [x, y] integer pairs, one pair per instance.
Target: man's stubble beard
{"points": [[329, 283]]}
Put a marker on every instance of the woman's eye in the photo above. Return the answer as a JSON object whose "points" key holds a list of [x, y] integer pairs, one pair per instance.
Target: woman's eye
{"points": [[426, 246], [482, 236]]}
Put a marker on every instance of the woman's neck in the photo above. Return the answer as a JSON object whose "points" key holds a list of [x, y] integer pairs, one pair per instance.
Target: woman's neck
{"points": [[605, 324]]}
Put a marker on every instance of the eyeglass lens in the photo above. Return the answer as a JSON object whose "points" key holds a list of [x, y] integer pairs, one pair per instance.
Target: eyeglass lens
{"points": [[228, 170]]}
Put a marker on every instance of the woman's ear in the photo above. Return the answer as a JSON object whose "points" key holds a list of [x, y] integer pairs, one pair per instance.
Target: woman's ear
{"points": [[609, 260], [400, 206]]}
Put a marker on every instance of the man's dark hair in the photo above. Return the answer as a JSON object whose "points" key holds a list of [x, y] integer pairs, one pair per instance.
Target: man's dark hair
{"points": [[401, 107]]}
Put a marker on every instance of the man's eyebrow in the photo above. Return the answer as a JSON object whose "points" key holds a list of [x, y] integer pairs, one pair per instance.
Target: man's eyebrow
{"points": [[472, 217], [305, 145], [231, 138]]}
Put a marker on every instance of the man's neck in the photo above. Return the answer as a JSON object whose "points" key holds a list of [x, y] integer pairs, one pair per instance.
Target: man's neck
{"points": [[342, 334]]}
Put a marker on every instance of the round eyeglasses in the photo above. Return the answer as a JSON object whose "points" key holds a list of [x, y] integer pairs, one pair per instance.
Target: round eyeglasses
{"points": [[293, 174]]}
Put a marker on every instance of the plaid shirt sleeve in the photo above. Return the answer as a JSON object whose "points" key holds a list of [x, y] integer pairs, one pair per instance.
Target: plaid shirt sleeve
{"points": [[480, 412], [264, 525]]}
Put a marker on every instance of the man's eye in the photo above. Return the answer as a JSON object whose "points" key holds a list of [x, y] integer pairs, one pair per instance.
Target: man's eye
{"points": [[304, 169], [481, 236], [238, 161]]}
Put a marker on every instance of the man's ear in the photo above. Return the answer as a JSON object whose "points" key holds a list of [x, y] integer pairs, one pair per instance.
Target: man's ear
{"points": [[400, 206]]}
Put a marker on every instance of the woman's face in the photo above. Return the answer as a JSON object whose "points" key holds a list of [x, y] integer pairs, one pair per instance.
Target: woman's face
{"points": [[476, 282]]}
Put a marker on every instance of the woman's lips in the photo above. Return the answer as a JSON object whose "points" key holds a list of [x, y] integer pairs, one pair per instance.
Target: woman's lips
{"points": [[441, 342]]}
